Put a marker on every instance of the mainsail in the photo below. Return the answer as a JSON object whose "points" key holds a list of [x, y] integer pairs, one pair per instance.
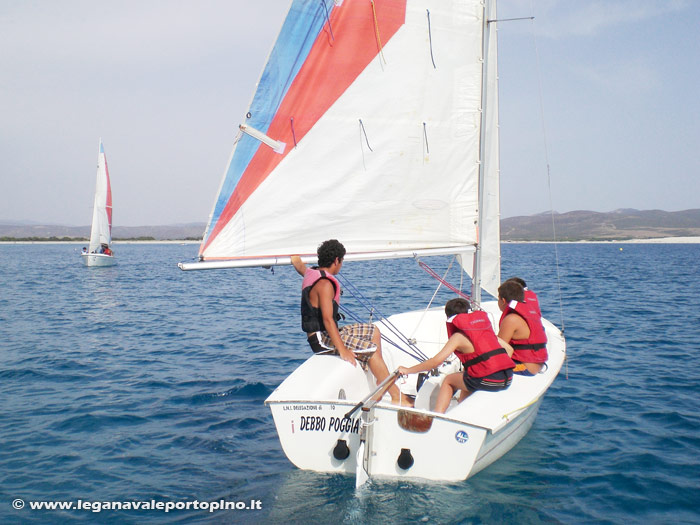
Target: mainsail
{"points": [[369, 124], [102, 210]]}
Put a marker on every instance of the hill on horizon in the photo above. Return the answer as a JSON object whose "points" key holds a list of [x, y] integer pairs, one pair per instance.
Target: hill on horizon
{"points": [[622, 224], [175, 232]]}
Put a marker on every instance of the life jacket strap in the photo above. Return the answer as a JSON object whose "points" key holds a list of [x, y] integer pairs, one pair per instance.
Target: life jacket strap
{"points": [[484, 357], [538, 346]]}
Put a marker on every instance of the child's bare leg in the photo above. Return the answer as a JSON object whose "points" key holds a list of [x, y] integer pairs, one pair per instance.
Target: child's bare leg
{"points": [[464, 394], [451, 383], [380, 371]]}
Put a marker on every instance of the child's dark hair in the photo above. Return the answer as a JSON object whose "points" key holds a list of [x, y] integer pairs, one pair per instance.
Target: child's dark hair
{"points": [[517, 280], [456, 306], [328, 251], [511, 291]]}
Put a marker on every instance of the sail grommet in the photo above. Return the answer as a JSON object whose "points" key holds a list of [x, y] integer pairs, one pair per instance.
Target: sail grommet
{"points": [[405, 460], [341, 450]]}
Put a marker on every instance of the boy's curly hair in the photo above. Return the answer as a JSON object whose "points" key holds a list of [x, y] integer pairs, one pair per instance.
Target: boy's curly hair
{"points": [[328, 251]]}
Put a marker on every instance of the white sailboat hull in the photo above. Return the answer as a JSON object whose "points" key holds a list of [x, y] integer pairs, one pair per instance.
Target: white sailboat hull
{"points": [[98, 259], [309, 415]]}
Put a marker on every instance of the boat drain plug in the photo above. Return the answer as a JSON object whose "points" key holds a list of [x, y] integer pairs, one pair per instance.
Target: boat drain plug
{"points": [[341, 450], [405, 460]]}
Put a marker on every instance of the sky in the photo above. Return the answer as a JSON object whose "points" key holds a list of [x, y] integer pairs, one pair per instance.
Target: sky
{"points": [[599, 104]]}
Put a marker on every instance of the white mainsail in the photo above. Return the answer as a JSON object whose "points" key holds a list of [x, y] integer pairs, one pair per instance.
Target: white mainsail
{"points": [[101, 232], [379, 105], [376, 123]]}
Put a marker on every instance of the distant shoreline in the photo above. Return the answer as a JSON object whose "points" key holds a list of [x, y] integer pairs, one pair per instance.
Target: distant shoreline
{"points": [[658, 240], [117, 243]]}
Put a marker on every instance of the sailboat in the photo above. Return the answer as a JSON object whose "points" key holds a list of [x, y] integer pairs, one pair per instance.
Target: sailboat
{"points": [[376, 123], [99, 252]]}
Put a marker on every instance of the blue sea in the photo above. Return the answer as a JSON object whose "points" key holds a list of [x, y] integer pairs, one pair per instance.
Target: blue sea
{"points": [[143, 383]]}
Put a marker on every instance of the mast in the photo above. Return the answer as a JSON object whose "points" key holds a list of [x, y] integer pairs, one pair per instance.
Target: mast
{"points": [[485, 35]]}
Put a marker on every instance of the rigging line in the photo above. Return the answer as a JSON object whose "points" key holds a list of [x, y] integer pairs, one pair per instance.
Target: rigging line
{"points": [[430, 39], [433, 297], [549, 178], [411, 343], [510, 19], [418, 357], [376, 30], [328, 19], [369, 307], [506, 416], [434, 275], [382, 318], [294, 135]]}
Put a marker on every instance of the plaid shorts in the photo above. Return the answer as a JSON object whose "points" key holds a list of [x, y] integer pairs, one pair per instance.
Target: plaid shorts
{"points": [[356, 337]]}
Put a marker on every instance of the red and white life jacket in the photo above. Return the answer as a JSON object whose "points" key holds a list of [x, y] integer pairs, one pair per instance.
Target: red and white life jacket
{"points": [[534, 348], [489, 356]]}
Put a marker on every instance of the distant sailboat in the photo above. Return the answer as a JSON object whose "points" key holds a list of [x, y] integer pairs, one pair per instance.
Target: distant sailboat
{"points": [[376, 123], [99, 252]]}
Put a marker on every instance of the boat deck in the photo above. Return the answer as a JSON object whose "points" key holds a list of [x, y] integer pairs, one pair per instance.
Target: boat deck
{"points": [[328, 379]]}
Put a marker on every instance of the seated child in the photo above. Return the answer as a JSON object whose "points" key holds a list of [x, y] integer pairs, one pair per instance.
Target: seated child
{"points": [[521, 326], [484, 356]]}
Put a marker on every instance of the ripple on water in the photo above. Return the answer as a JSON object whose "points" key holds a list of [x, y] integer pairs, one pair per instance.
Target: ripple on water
{"points": [[141, 381]]}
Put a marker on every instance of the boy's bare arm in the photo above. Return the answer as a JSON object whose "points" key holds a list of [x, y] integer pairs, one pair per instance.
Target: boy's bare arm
{"points": [[298, 264]]}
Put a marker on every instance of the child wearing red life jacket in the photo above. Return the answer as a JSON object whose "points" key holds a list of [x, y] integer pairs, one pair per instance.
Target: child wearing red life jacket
{"points": [[484, 356], [530, 297], [521, 325]]}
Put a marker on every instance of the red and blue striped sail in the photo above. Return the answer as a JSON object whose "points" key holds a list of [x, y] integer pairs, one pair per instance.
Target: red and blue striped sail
{"points": [[378, 104]]}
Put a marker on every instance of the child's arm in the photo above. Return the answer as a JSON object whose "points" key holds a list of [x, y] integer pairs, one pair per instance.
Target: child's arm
{"points": [[298, 264], [456, 342], [505, 345]]}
